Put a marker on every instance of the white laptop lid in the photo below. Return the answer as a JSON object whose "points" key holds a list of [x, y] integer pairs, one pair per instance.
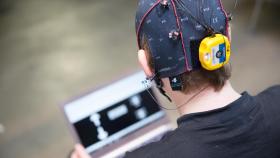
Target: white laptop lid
{"points": [[111, 113]]}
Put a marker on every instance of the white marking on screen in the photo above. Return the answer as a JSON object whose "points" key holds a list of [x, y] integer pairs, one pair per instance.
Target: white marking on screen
{"points": [[141, 113], [117, 112], [135, 101], [102, 134], [124, 132], [95, 118]]}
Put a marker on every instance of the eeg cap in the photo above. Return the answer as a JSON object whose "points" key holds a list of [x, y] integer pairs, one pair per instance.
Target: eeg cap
{"points": [[174, 30]]}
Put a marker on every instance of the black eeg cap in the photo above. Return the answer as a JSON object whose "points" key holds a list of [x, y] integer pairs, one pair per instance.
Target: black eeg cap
{"points": [[174, 29]]}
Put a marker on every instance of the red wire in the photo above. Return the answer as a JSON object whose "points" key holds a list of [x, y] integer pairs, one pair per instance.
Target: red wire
{"points": [[179, 26]]}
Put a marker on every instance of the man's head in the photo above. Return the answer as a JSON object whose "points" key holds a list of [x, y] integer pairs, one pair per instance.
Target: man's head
{"points": [[169, 33]]}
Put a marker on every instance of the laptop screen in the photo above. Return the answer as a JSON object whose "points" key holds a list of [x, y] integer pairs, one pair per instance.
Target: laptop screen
{"points": [[108, 114]]}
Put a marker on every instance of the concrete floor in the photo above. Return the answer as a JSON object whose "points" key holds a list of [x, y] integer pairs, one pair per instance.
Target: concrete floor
{"points": [[52, 51]]}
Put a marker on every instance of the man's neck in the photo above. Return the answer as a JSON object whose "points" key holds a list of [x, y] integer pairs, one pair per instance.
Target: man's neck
{"points": [[206, 99]]}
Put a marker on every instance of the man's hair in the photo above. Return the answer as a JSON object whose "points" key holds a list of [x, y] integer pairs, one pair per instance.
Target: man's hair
{"points": [[195, 79]]}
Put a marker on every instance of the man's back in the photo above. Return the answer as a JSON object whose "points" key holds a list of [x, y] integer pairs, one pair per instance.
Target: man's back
{"points": [[247, 128]]}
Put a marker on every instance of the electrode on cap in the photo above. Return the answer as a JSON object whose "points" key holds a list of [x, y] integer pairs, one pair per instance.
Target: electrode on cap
{"points": [[164, 3], [229, 16], [174, 35]]}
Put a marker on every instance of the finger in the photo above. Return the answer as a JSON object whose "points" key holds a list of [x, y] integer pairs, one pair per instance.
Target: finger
{"points": [[74, 155], [70, 153], [81, 151]]}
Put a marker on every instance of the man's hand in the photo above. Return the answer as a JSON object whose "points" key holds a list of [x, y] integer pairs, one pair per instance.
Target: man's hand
{"points": [[79, 152]]}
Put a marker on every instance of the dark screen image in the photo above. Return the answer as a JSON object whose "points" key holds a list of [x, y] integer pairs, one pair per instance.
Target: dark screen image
{"points": [[103, 124]]}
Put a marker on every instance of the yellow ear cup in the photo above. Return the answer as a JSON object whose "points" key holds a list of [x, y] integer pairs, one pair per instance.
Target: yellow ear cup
{"points": [[214, 52]]}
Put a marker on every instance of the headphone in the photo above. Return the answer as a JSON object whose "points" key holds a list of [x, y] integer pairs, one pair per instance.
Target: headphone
{"points": [[214, 52]]}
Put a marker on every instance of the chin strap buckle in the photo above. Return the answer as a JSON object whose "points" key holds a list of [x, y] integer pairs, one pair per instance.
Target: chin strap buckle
{"points": [[176, 83]]}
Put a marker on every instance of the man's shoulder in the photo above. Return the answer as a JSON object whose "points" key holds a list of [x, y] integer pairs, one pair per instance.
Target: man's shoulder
{"points": [[269, 100], [271, 94], [273, 90]]}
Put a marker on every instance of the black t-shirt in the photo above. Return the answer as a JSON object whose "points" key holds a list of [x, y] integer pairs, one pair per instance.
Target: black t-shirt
{"points": [[247, 128]]}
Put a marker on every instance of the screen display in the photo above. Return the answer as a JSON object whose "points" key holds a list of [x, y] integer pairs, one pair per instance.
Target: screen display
{"points": [[110, 114], [117, 121]]}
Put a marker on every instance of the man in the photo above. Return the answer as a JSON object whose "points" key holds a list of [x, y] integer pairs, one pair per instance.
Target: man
{"points": [[216, 121]]}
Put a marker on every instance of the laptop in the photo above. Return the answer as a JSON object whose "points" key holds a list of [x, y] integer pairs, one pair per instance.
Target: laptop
{"points": [[117, 118]]}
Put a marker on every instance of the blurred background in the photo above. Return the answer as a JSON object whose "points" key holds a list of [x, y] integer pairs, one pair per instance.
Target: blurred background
{"points": [[54, 50]]}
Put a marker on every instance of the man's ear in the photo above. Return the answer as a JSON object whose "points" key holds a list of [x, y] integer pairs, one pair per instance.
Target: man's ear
{"points": [[143, 60], [229, 32]]}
